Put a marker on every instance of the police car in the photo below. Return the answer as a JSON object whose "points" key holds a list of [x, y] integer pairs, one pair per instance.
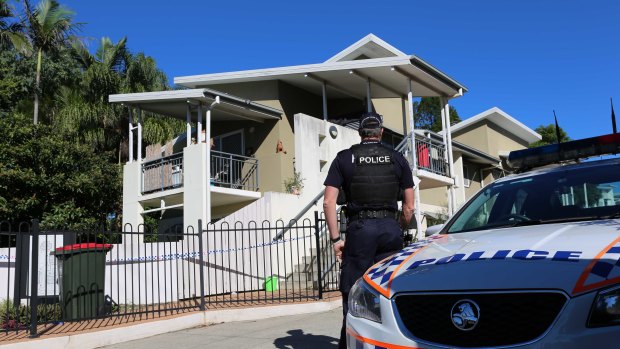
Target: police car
{"points": [[531, 261]]}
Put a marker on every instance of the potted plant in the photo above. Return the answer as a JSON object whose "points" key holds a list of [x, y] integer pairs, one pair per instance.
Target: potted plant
{"points": [[294, 184]]}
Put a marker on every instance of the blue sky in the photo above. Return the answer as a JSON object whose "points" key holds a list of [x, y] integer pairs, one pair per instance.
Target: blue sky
{"points": [[525, 57]]}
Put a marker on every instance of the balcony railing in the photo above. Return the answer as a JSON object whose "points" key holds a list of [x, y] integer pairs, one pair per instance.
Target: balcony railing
{"points": [[430, 155], [234, 171], [227, 170], [162, 174]]}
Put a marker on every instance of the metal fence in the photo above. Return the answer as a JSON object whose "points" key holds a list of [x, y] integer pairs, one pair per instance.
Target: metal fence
{"points": [[58, 276], [247, 262], [52, 277], [234, 171], [162, 174]]}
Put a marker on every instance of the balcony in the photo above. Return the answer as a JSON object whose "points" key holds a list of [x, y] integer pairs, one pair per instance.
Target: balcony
{"points": [[162, 174], [432, 167], [227, 171], [234, 171]]}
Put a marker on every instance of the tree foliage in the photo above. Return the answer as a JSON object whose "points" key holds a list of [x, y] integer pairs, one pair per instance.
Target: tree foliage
{"points": [[549, 135], [66, 169], [44, 175], [427, 114]]}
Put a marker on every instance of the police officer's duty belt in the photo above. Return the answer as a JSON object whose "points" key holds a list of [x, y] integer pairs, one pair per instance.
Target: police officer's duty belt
{"points": [[372, 214]]}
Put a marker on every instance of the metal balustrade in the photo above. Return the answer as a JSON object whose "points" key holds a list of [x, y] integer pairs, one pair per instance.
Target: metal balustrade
{"points": [[430, 155], [162, 174], [227, 170], [234, 171]]}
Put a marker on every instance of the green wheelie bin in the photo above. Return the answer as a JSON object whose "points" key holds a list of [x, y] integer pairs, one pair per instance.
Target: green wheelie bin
{"points": [[81, 271]]}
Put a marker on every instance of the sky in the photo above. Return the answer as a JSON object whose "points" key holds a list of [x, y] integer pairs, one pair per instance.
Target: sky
{"points": [[526, 57]]}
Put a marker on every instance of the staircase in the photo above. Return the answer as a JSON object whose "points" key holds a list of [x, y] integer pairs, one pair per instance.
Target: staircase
{"points": [[305, 275]]}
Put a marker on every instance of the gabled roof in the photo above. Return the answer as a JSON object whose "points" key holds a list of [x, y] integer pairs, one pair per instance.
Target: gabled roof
{"points": [[388, 69], [367, 47], [503, 120]]}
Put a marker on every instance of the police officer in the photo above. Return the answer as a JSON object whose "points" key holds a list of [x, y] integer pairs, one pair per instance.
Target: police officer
{"points": [[371, 176]]}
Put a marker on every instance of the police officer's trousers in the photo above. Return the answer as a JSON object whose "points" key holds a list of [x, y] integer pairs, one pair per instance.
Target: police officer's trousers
{"points": [[368, 241]]}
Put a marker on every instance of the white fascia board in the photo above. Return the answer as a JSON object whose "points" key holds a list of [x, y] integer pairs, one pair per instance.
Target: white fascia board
{"points": [[248, 75], [156, 96], [507, 122], [363, 41]]}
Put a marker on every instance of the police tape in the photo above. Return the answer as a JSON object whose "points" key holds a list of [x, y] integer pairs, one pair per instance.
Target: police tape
{"points": [[187, 255]]}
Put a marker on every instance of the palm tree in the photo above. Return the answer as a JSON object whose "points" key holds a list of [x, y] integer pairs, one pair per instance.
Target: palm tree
{"points": [[85, 112], [47, 27], [10, 32], [87, 115]]}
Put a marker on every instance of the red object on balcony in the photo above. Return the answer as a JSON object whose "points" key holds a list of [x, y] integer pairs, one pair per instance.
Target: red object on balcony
{"points": [[423, 155]]}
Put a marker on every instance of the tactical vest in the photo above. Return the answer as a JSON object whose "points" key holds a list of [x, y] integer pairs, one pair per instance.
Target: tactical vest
{"points": [[374, 184]]}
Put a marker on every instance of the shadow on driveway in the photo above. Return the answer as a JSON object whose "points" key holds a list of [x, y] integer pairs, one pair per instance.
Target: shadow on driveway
{"points": [[297, 339]]}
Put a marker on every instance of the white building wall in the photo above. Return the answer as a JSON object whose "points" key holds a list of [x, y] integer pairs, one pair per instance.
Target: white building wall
{"points": [[315, 149], [196, 193], [132, 187]]}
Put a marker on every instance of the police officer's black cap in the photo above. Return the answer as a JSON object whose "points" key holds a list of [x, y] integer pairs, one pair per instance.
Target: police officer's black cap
{"points": [[370, 120]]}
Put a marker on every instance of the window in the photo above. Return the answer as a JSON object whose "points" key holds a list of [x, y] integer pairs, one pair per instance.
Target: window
{"points": [[232, 143], [575, 194]]}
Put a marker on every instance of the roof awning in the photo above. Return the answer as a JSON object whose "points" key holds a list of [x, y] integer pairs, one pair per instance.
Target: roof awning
{"points": [[174, 104], [388, 76]]}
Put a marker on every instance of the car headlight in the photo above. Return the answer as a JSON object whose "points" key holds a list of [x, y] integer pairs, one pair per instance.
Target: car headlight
{"points": [[364, 302], [606, 308]]}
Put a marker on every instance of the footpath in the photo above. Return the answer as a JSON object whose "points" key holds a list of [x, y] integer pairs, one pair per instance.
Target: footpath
{"points": [[226, 318], [316, 331]]}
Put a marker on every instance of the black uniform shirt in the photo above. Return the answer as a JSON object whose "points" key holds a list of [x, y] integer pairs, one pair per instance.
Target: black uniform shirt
{"points": [[341, 172]]}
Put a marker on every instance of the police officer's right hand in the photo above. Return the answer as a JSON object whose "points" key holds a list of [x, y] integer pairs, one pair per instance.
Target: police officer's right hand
{"points": [[338, 249]]}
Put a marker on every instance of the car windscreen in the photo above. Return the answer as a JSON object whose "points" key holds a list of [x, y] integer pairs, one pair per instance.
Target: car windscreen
{"points": [[579, 193]]}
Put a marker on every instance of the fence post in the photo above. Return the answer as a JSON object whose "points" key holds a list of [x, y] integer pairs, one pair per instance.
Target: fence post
{"points": [[318, 254], [34, 282], [202, 266]]}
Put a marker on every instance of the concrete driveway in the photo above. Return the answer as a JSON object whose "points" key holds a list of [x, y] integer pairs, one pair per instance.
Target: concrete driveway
{"points": [[318, 330]]}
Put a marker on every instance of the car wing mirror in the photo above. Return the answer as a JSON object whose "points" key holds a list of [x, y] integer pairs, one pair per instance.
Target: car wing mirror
{"points": [[433, 229]]}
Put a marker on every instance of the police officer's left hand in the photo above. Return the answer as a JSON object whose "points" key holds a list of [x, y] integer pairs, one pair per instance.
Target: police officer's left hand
{"points": [[338, 249]]}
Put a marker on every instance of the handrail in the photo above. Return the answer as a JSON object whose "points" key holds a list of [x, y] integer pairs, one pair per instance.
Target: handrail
{"points": [[403, 143], [299, 215]]}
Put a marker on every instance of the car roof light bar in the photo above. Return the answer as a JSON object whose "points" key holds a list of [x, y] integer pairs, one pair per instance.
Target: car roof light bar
{"points": [[522, 160]]}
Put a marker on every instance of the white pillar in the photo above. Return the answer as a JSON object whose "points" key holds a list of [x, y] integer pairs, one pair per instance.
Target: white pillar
{"points": [[139, 135], [446, 108], [208, 163], [446, 152], [324, 100], [188, 124], [368, 97], [414, 157], [199, 125], [130, 150]]}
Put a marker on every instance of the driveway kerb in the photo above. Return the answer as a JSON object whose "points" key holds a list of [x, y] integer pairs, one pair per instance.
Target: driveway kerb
{"points": [[100, 338]]}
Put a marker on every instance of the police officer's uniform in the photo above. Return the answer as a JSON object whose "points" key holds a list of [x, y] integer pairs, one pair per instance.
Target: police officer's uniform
{"points": [[372, 176]]}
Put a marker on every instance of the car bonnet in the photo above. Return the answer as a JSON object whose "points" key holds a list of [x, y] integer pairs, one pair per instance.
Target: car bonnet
{"points": [[574, 257]]}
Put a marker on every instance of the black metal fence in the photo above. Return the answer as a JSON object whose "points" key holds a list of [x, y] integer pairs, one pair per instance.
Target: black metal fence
{"points": [[256, 262], [53, 277], [58, 276]]}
